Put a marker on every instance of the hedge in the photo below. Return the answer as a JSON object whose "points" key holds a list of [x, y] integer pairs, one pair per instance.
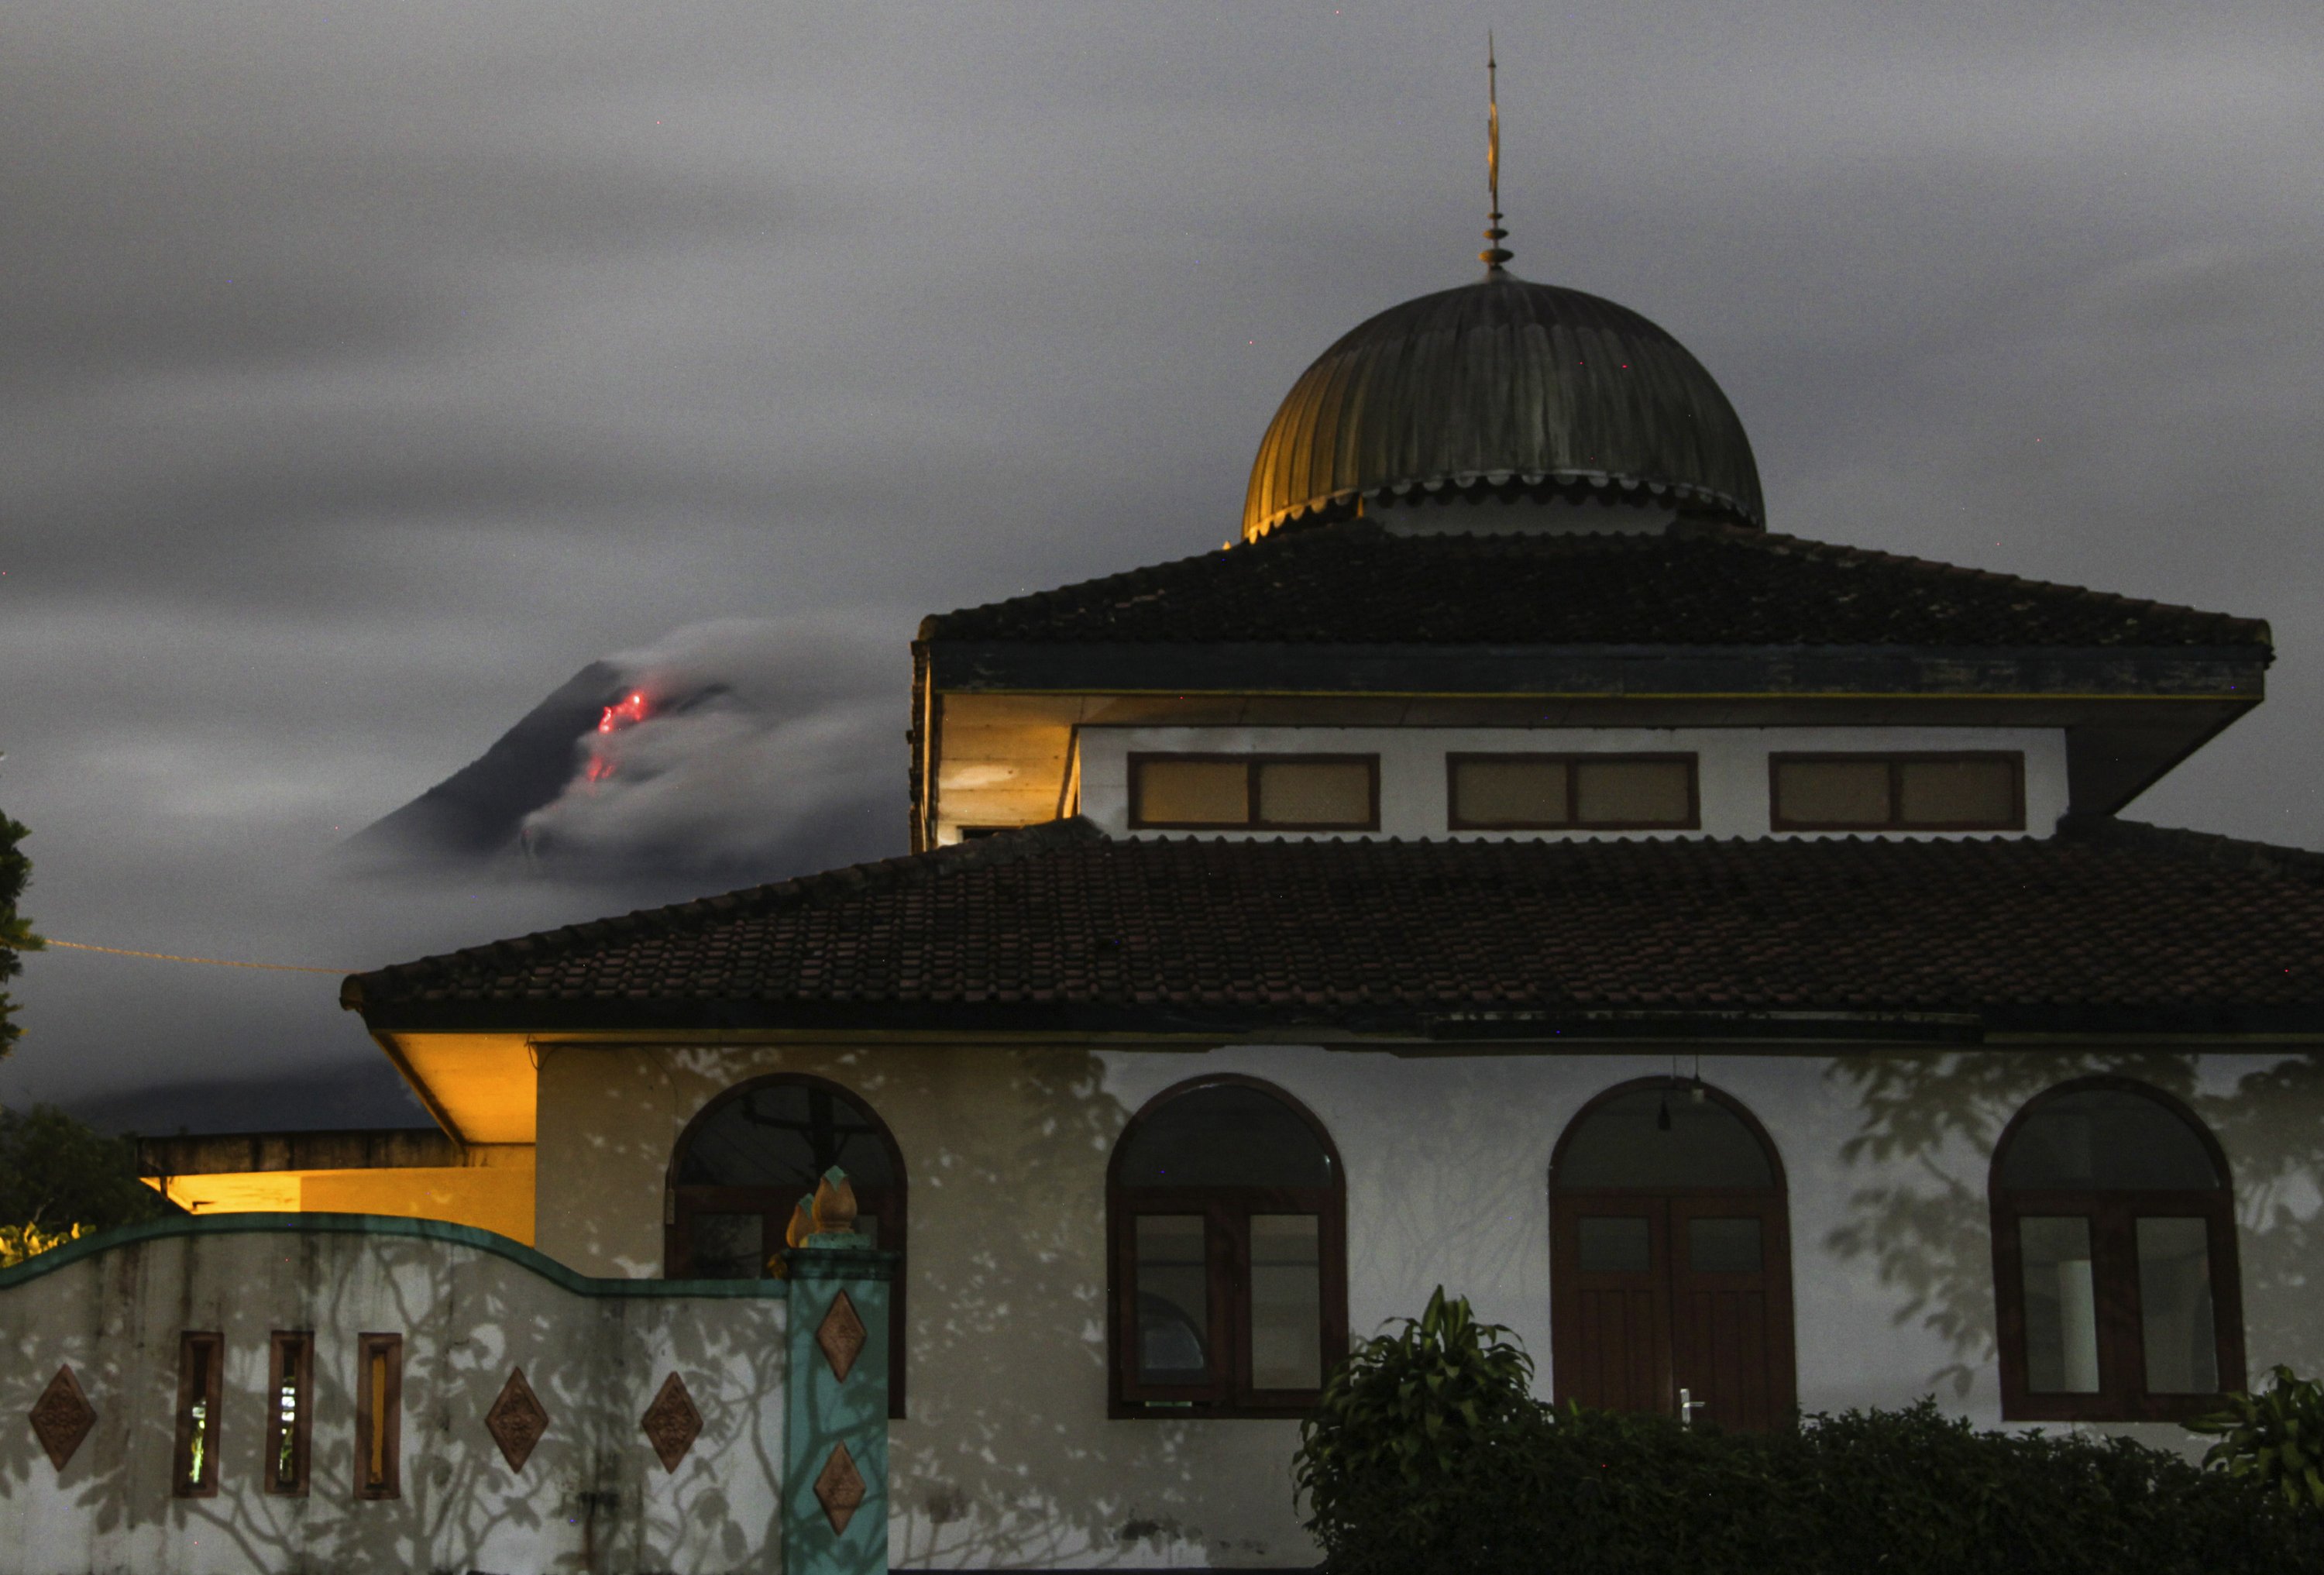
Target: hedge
{"points": [[1428, 1456]]}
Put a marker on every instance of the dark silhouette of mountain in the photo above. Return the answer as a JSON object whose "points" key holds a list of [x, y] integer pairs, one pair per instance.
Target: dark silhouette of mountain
{"points": [[473, 816]]}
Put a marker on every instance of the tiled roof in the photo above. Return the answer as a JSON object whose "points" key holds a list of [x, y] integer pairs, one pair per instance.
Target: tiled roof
{"points": [[1699, 586], [1057, 926]]}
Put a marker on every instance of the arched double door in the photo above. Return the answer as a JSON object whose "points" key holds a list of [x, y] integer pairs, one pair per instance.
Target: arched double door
{"points": [[1671, 1258]]}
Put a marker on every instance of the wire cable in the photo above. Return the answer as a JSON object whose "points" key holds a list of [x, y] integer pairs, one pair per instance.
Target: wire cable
{"points": [[172, 957]]}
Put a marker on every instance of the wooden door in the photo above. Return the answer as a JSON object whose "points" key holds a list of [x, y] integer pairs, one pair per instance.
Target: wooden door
{"points": [[1611, 1317], [1730, 1309], [1657, 1291]]}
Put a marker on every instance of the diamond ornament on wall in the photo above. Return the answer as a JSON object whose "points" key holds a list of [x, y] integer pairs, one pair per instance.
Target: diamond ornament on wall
{"points": [[842, 1336], [671, 1423], [839, 1488], [61, 1417], [516, 1420]]}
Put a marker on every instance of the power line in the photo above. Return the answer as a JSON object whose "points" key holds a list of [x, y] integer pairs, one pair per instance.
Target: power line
{"points": [[211, 962]]}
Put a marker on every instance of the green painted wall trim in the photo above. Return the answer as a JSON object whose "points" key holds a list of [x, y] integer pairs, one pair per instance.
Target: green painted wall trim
{"points": [[290, 1224]]}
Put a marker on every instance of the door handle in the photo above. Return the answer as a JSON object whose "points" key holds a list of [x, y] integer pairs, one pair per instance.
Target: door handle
{"points": [[1688, 1405]]}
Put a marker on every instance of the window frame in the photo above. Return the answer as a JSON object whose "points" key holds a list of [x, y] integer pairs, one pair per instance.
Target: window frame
{"points": [[386, 1419], [891, 1205], [1453, 762], [2113, 1213], [1226, 1211], [199, 1382], [302, 1423], [1895, 760], [1252, 762]]}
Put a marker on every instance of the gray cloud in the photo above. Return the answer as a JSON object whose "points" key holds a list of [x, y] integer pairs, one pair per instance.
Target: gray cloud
{"points": [[365, 373]]}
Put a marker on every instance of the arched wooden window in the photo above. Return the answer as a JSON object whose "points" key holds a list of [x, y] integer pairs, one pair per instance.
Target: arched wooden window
{"points": [[2114, 1258], [1226, 1211], [1671, 1258], [745, 1162]]}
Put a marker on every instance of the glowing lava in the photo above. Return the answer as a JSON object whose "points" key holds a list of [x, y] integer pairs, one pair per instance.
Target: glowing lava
{"points": [[627, 713]]}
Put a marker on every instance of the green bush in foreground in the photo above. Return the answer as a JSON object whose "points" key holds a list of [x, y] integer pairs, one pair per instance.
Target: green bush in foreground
{"points": [[2274, 1439], [1428, 1456]]}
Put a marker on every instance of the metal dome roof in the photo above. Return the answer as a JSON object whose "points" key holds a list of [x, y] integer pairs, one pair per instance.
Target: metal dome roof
{"points": [[1501, 383]]}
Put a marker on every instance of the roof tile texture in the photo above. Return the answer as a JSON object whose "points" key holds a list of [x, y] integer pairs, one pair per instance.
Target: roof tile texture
{"points": [[1355, 583], [1312, 930]]}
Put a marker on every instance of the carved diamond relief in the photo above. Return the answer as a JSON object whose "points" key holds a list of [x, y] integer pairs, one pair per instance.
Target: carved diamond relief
{"points": [[840, 1490], [61, 1417], [841, 1335], [671, 1423], [516, 1420]]}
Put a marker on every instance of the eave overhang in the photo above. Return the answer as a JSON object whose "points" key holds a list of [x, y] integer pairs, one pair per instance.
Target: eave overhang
{"points": [[1419, 1024], [2231, 673]]}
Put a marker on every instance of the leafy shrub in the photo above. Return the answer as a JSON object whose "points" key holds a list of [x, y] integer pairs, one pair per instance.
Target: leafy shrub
{"points": [[1428, 1456], [19, 1242], [2275, 1439]]}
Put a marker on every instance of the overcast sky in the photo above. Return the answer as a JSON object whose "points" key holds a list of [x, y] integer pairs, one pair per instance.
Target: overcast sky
{"points": [[368, 370]]}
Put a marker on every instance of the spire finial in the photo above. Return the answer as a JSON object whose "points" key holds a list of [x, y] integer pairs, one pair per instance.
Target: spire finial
{"points": [[1494, 254]]}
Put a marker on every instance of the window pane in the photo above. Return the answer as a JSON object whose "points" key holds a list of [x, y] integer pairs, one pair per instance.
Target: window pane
{"points": [[1632, 792], [2061, 1323], [2174, 1305], [1230, 1135], [1958, 793], [1510, 792], [729, 1247], [1286, 1301], [2106, 1139], [1315, 793], [1722, 1247], [785, 1134], [1832, 792], [1614, 1246], [1200, 792], [1624, 1143], [1173, 1300]]}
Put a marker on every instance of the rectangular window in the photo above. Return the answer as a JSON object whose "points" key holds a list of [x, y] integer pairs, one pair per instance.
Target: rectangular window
{"points": [[2061, 1312], [729, 1247], [1620, 1245], [1964, 792], [1275, 792], [1723, 1246], [1286, 1301], [2174, 1306], [194, 1463], [379, 1416], [1550, 792], [1174, 1304], [291, 1380]]}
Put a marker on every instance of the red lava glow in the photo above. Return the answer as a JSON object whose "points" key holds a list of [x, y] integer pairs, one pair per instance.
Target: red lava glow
{"points": [[628, 713]]}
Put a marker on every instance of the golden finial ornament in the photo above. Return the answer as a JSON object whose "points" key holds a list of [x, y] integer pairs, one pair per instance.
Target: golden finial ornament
{"points": [[1494, 255], [834, 1203]]}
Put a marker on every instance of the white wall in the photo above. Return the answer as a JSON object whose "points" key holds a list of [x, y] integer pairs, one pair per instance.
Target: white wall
{"points": [[468, 1315], [1732, 767], [1008, 1458]]}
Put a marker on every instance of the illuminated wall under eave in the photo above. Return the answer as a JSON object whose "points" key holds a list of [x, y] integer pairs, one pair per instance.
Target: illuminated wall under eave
{"points": [[495, 1197]]}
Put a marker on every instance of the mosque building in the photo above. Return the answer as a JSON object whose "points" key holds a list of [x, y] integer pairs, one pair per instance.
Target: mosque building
{"points": [[1511, 866]]}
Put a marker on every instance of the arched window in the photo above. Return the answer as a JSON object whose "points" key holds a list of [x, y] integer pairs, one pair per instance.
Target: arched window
{"points": [[2114, 1258], [1227, 1214], [1671, 1258], [745, 1162]]}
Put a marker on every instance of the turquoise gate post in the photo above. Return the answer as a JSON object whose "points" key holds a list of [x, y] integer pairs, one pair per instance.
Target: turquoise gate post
{"points": [[835, 1402]]}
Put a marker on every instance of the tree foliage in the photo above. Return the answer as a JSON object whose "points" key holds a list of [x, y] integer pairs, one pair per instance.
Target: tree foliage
{"points": [[17, 934], [57, 1174]]}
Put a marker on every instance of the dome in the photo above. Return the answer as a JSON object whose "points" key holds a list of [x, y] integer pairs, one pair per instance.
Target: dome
{"points": [[1505, 385]]}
